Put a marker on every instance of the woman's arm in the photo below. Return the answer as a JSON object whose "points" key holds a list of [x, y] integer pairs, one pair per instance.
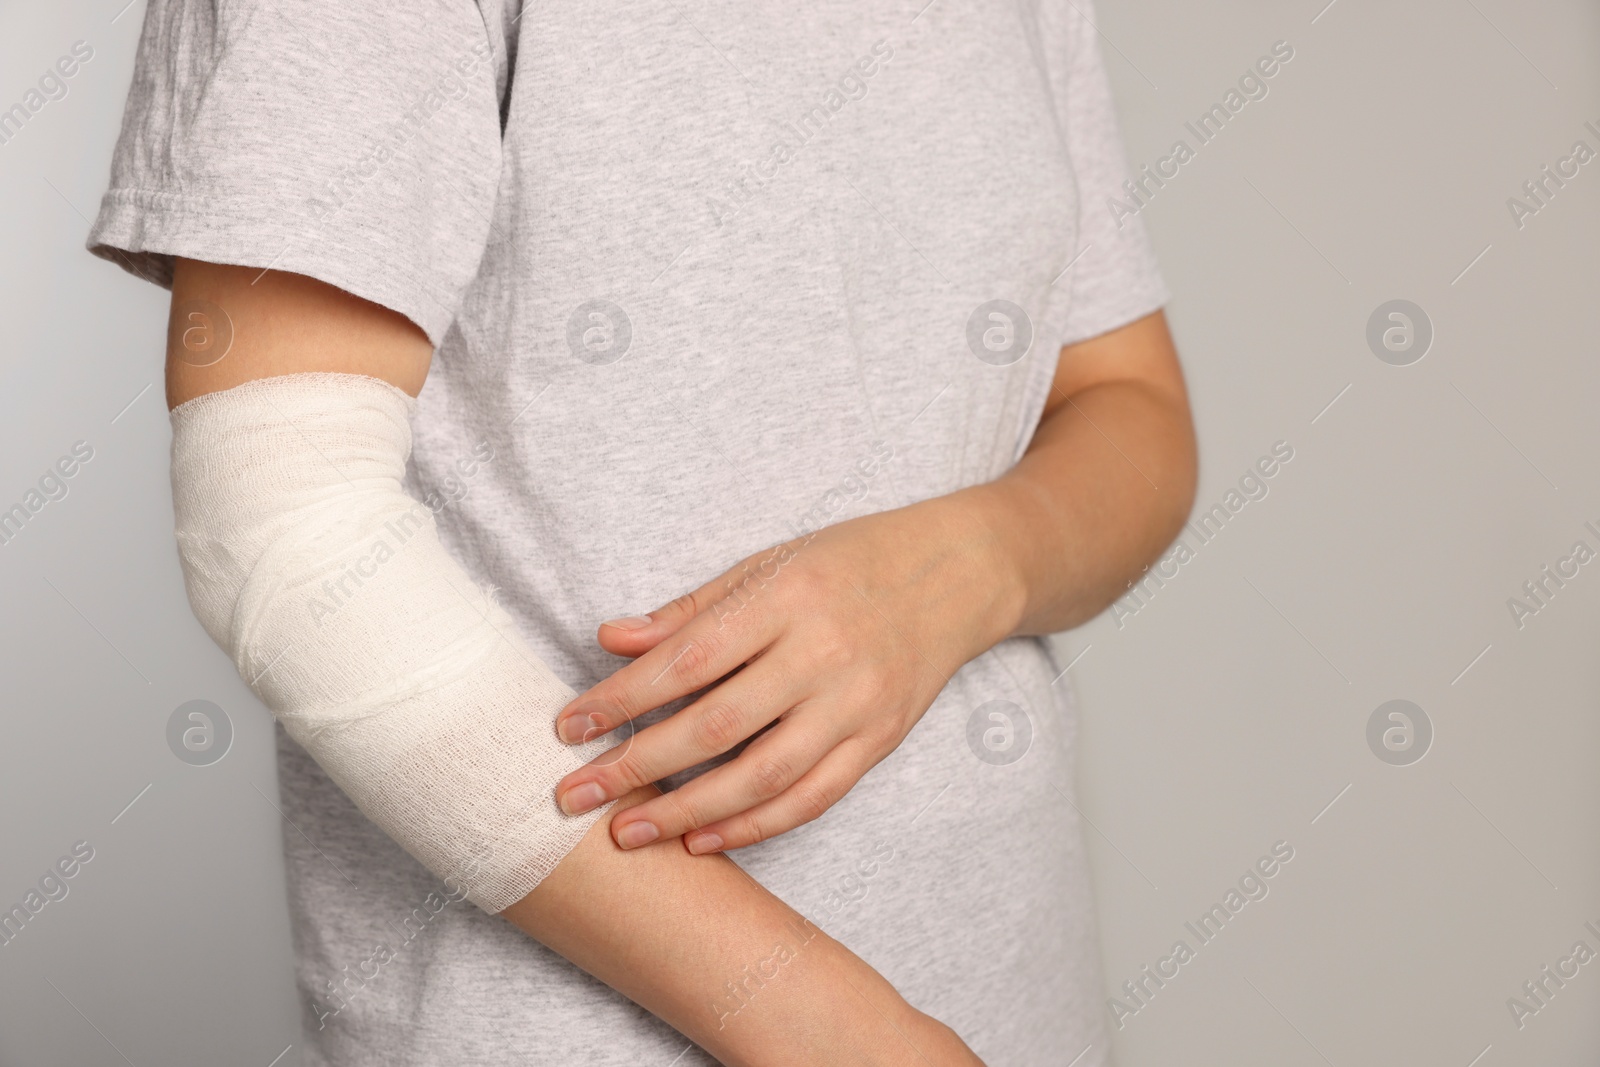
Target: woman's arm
{"points": [[851, 632], [693, 939], [1104, 486], [709, 950]]}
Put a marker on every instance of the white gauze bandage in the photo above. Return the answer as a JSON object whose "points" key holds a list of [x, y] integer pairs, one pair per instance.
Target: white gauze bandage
{"points": [[306, 560]]}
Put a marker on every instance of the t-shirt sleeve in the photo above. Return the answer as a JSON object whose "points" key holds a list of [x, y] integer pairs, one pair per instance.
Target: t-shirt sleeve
{"points": [[357, 143], [1115, 280]]}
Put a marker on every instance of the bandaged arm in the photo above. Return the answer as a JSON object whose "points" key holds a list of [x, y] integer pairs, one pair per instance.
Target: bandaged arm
{"points": [[308, 563]]}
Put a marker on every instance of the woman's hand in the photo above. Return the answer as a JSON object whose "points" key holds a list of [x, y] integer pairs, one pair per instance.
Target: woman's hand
{"points": [[839, 641], [843, 638]]}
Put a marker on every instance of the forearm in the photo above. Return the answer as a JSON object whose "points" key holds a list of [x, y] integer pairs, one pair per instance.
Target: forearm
{"points": [[1104, 486], [703, 946]]}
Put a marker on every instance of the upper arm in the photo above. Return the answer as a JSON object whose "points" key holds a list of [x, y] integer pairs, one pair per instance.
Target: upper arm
{"points": [[232, 324], [1140, 353]]}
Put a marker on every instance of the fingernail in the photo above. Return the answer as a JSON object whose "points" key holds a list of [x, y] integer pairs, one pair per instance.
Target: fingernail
{"points": [[637, 833], [580, 798], [630, 622], [700, 843], [576, 728]]}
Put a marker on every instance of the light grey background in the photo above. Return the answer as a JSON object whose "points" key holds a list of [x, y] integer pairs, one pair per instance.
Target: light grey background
{"points": [[1228, 713]]}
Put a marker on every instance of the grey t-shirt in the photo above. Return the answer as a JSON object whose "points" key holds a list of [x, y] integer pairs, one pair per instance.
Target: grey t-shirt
{"points": [[701, 277]]}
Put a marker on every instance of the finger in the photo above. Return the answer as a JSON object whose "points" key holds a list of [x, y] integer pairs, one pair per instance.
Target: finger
{"points": [[723, 596], [709, 727], [634, 635], [630, 635], [808, 798], [690, 659], [768, 765]]}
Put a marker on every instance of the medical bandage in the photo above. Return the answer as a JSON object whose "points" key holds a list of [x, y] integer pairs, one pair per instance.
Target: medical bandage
{"points": [[325, 582]]}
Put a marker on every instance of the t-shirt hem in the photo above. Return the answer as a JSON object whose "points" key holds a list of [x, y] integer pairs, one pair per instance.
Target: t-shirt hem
{"points": [[142, 230], [1132, 307]]}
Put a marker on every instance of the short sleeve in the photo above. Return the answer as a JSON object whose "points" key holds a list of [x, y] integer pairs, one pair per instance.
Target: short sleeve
{"points": [[357, 143], [1116, 279]]}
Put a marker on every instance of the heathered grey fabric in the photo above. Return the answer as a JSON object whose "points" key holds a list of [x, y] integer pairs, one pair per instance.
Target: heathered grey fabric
{"points": [[796, 353]]}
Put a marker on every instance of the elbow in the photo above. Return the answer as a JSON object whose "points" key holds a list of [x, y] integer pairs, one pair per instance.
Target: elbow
{"points": [[1178, 481]]}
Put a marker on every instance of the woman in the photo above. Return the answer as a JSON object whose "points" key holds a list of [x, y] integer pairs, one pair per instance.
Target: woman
{"points": [[809, 330]]}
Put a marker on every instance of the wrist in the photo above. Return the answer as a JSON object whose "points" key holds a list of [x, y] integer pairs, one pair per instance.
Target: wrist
{"points": [[989, 578]]}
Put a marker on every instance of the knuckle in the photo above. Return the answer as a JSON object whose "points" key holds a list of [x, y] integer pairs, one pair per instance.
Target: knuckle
{"points": [[750, 829], [811, 801], [801, 583], [695, 659], [627, 773], [771, 775], [879, 738], [833, 650], [874, 691], [880, 714], [685, 813], [739, 592], [717, 727], [725, 610]]}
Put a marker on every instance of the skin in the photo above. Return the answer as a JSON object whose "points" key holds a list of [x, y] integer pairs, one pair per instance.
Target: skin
{"points": [[663, 927], [841, 641]]}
